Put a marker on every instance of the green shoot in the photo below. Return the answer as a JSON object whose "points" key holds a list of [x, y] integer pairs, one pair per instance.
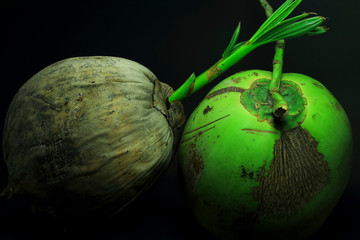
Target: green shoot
{"points": [[273, 29]]}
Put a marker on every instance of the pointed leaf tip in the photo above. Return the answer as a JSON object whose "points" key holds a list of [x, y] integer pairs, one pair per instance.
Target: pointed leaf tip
{"points": [[233, 40]]}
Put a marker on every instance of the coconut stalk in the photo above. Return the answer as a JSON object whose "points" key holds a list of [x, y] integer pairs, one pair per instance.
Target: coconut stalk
{"points": [[275, 28]]}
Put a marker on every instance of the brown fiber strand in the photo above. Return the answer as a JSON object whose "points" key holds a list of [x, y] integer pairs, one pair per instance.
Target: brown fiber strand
{"points": [[297, 174]]}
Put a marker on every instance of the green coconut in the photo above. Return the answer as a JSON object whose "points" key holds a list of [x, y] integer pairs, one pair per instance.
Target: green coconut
{"points": [[249, 173]]}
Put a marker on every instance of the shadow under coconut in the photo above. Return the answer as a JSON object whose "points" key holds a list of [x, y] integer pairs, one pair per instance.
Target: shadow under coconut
{"points": [[160, 213], [20, 223]]}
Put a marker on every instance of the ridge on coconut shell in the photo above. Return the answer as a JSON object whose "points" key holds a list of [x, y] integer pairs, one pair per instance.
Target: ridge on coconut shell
{"points": [[87, 135]]}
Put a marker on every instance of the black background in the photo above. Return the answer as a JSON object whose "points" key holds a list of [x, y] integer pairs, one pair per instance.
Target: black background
{"points": [[173, 39]]}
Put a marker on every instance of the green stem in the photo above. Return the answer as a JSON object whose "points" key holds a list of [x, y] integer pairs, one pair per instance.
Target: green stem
{"points": [[278, 63], [273, 29], [193, 83], [280, 106]]}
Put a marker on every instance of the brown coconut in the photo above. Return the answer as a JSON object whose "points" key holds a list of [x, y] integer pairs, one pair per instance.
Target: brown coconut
{"points": [[88, 135]]}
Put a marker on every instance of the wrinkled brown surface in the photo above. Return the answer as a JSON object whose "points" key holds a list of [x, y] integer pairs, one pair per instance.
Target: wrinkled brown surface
{"points": [[89, 134], [296, 175]]}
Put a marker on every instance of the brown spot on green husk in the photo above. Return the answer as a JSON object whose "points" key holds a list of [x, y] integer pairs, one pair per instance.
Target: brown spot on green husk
{"points": [[196, 160], [198, 134], [225, 90], [318, 85], [257, 131], [207, 124], [297, 174], [336, 105], [192, 172], [246, 173], [207, 109]]}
